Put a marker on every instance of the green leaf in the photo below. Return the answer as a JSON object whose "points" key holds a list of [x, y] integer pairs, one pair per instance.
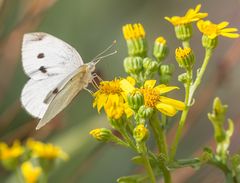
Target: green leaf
{"points": [[132, 179]]}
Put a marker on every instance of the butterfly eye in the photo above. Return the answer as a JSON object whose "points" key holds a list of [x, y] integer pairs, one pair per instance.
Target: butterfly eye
{"points": [[40, 55], [43, 69]]}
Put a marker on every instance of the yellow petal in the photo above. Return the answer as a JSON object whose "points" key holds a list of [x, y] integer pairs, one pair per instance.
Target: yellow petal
{"points": [[126, 86], [175, 103], [230, 35], [149, 83], [229, 30], [102, 99], [164, 89], [131, 80], [166, 109], [222, 25]]}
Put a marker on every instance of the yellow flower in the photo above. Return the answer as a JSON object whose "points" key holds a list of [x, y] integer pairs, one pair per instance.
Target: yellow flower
{"points": [[112, 98], [46, 151], [31, 174], [192, 15], [14, 152], [153, 96], [212, 30], [133, 31]]}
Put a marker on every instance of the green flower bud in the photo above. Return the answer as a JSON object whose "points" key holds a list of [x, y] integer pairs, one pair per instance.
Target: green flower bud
{"points": [[117, 123], [135, 100], [160, 49], [140, 133], [185, 58], [150, 67], [101, 134], [183, 78], [133, 65], [145, 112], [209, 43], [134, 34], [183, 31], [165, 73], [206, 156]]}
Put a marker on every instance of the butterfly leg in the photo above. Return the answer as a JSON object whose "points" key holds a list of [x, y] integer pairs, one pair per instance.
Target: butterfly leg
{"points": [[91, 92], [97, 76], [95, 85]]}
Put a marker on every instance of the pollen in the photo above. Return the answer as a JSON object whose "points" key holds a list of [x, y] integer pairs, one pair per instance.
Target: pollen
{"points": [[182, 53], [110, 87], [151, 97], [133, 31]]}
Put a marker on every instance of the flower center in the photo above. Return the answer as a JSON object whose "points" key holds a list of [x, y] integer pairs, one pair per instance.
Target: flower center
{"points": [[210, 29], [110, 87], [133, 31], [151, 96]]}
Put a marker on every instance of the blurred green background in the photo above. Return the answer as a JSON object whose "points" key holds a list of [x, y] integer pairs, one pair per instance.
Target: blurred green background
{"points": [[90, 26]]}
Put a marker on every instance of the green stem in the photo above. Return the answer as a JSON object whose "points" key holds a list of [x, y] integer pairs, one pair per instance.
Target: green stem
{"points": [[126, 137], [198, 80], [183, 117], [19, 175], [230, 178], [44, 178], [190, 90], [159, 133], [186, 44], [143, 151], [119, 141]]}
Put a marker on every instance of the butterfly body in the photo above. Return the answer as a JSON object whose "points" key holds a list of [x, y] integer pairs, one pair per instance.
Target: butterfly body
{"points": [[57, 74]]}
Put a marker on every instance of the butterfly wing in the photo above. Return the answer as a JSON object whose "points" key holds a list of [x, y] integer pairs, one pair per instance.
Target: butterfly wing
{"points": [[34, 93], [44, 55], [79, 81], [50, 63]]}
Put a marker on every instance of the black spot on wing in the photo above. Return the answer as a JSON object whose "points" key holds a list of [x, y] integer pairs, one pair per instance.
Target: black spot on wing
{"points": [[41, 55], [55, 91], [43, 69]]}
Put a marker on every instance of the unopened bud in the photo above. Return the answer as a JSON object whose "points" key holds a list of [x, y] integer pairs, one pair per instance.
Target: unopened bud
{"points": [[135, 100], [140, 133], [133, 65], [101, 134], [160, 49], [185, 58]]}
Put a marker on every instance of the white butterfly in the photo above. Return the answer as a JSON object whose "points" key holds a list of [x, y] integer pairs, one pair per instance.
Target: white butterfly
{"points": [[57, 74]]}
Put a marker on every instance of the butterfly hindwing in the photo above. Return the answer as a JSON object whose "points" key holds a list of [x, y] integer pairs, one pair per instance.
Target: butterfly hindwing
{"points": [[79, 81], [34, 93], [44, 55]]}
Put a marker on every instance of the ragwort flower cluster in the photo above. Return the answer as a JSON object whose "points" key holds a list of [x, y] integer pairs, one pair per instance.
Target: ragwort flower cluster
{"points": [[140, 102]]}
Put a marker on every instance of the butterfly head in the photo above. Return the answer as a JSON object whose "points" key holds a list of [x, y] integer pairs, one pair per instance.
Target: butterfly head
{"points": [[91, 66]]}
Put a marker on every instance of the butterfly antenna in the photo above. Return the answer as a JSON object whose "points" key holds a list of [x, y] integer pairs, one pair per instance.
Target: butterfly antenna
{"points": [[104, 56], [104, 51]]}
